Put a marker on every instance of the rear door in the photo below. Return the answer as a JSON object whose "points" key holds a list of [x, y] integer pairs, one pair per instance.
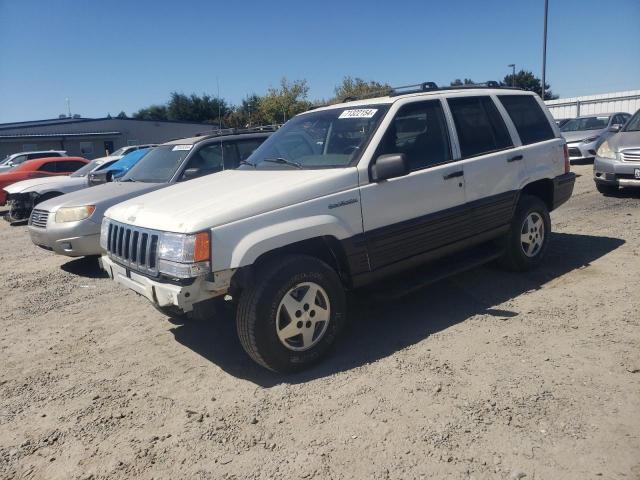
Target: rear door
{"points": [[493, 165], [406, 216]]}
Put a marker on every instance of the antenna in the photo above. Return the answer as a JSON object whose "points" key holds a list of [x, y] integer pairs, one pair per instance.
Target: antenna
{"points": [[219, 119]]}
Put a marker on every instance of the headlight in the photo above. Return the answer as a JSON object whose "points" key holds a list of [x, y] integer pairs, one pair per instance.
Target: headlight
{"points": [[74, 214], [184, 255], [591, 139], [104, 233], [605, 151]]}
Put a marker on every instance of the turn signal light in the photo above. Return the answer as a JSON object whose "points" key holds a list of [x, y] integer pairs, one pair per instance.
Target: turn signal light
{"points": [[202, 247], [567, 166]]}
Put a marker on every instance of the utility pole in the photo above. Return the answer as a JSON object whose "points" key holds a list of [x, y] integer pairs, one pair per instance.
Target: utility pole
{"points": [[544, 48], [68, 107], [513, 75]]}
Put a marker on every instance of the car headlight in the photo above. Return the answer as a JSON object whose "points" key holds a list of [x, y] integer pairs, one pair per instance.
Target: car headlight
{"points": [[104, 233], [74, 214], [605, 151], [591, 139], [184, 255]]}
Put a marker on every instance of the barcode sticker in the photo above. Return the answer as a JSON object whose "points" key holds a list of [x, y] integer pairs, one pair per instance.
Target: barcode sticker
{"points": [[359, 113], [182, 147]]}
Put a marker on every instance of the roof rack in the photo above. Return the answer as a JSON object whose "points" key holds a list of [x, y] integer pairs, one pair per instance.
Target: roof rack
{"points": [[237, 131]]}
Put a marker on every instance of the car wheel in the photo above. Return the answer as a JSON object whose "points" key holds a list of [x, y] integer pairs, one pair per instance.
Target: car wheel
{"points": [[290, 316], [528, 238], [607, 189]]}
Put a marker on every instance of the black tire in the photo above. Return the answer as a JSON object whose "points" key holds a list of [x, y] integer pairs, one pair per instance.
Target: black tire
{"points": [[258, 312], [515, 258], [607, 189]]}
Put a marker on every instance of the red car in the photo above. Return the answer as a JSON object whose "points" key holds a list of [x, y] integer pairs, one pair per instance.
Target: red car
{"points": [[41, 167]]}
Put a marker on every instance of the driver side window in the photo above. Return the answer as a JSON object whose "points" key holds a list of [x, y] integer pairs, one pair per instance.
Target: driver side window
{"points": [[419, 130], [207, 160]]}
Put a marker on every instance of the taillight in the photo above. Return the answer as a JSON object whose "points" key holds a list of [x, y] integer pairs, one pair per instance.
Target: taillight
{"points": [[567, 166]]}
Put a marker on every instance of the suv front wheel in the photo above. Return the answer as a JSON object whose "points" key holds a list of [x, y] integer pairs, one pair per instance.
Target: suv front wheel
{"points": [[528, 238], [291, 314]]}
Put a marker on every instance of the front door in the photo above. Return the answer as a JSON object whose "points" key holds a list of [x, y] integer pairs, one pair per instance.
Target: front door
{"points": [[422, 211]]}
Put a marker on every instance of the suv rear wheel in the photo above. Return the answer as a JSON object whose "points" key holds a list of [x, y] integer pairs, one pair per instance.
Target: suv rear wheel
{"points": [[292, 313], [528, 238]]}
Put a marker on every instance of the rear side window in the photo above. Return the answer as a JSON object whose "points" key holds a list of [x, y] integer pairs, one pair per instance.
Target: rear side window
{"points": [[479, 125], [69, 166], [48, 167], [530, 121]]}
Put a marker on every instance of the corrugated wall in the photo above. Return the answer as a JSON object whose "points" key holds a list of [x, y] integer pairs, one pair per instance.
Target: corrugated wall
{"points": [[594, 104]]}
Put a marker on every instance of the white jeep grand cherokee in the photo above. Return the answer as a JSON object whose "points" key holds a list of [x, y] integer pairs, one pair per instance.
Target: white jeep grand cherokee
{"points": [[344, 196]]}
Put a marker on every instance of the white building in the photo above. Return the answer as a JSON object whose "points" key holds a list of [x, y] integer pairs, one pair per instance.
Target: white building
{"points": [[594, 104]]}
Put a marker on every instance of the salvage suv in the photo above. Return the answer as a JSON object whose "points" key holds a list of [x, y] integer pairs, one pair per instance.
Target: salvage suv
{"points": [[341, 197]]}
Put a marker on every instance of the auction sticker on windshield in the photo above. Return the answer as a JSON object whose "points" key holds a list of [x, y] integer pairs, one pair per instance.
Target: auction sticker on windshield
{"points": [[359, 113], [181, 147]]}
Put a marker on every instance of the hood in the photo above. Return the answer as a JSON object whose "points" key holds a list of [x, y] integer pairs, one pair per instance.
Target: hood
{"points": [[581, 135], [624, 140], [229, 196], [102, 196], [36, 184]]}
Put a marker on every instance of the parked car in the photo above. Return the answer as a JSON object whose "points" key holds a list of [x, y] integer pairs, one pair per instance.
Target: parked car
{"points": [[617, 163], [41, 167], [117, 169], [70, 225], [561, 121], [121, 152], [17, 158], [583, 133], [23, 196], [346, 196]]}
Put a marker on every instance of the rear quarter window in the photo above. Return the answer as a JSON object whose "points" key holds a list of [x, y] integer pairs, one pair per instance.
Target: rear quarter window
{"points": [[527, 115]]}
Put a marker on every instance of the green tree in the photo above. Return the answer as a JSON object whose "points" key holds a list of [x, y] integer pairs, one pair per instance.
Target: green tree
{"points": [[153, 112], [528, 81], [122, 115], [358, 88], [458, 83], [195, 108], [247, 114], [285, 101]]}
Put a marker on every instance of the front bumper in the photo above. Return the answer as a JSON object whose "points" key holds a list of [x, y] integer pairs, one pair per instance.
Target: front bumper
{"points": [[73, 239], [608, 171], [582, 151], [165, 294]]}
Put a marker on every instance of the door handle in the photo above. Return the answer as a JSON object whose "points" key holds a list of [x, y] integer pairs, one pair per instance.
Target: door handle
{"points": [[459, 173], [515, 158]]}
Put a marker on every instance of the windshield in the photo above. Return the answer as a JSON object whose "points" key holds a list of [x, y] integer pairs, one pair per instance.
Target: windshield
{"points": [[159, 165], [585, 123], [84, 171], [118, 152], [633, 125], [323, 139]]}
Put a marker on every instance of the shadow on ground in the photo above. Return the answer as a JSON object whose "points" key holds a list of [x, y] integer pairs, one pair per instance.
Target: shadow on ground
{"points": [[85, 267], [384, 327]]}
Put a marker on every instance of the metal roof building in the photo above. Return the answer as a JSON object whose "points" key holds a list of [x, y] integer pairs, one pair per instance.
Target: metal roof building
{"points": [[91, 137], [595, 104]]}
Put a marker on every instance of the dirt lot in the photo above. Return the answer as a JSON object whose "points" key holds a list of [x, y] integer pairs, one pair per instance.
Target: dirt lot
{"points": [[486, 375]]}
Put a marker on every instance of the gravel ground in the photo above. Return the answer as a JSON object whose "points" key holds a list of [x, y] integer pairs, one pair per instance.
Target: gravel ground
{"points": [[486, 375]]}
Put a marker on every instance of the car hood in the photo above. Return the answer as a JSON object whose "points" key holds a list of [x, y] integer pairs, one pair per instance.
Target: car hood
{"points": [[624, 140], [229, 196], [581, 135], [102, 196], [35, 184]]}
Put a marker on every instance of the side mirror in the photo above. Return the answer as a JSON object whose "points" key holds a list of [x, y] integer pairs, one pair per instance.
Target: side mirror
{"points": [[190, 173], [615, 128], [389, 166]]}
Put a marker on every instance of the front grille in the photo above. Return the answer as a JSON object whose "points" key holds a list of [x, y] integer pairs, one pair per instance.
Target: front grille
{"points": [[630, 155], [39, 218], [575, 152], [133, 247]]}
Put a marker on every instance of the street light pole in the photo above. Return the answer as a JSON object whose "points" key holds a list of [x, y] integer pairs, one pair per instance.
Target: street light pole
{"points": [[513, 75], [544, 47]]}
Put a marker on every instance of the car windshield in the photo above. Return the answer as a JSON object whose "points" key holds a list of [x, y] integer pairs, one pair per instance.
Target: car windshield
{"points": [[633, 125], [118, 152], [322, 139], [585, 123], [159, 165], [84, 171]]}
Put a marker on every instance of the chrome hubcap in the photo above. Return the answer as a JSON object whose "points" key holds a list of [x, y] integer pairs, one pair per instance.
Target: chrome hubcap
{"points": [[532, 234], [303, 316]]}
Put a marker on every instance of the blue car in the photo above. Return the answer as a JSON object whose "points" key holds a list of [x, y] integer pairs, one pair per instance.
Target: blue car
{"points": [[117, 169]]}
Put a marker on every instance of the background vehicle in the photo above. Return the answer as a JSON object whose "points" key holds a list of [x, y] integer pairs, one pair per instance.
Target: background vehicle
{"points": [[23, 196], [121, 152], [18, 158], [42, 167], [70, 225], [583, 133], [117, 169], [561, 121], [617, 163], [342, 197]]}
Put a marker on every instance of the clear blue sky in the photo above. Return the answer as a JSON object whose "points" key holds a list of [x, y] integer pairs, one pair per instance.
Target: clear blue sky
{"points": [[112, 55]]}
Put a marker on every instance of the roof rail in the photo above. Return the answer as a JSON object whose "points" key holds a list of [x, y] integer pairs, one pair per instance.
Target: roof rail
{"points": [[237, 131]]}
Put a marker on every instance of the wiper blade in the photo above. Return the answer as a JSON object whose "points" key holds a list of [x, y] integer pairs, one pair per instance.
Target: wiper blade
{"points": [[247, 162], [283, 161], [127, 180]]}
